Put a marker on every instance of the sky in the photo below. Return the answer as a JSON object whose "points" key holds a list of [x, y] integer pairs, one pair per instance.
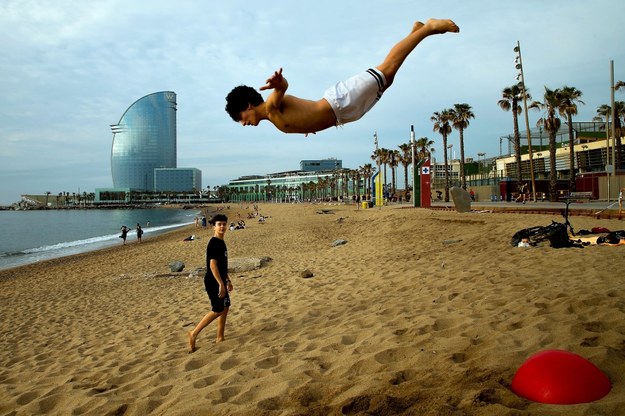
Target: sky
{"points": [[68, 70]]}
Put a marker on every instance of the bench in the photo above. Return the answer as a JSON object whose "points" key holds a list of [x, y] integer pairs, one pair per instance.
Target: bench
{"points": [[579, 196]]}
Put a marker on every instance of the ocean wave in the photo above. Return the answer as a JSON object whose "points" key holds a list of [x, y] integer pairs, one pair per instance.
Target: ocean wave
{"points": [[33, 255]]}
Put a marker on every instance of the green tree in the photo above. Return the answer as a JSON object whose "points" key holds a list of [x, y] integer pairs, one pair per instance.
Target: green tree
{"points": [[381, 156], [570, 97], [551, 123], [405, 158], [461, 115], [393, 162], [510, 98], [367, 170], [424, 148], [442, 125]]}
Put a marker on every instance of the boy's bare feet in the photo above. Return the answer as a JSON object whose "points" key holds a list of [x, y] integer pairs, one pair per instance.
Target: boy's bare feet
{"points": [[218, 340], [191, 342], [438, 26]]}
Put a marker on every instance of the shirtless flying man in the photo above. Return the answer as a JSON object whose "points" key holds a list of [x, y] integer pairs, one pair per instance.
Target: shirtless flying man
{"points": [[343, 103]]}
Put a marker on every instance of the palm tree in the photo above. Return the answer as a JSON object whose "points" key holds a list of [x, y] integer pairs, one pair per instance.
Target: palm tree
{"points": [[551, 124], [377, 156], [346, 175], [604, 113], [268, 190], [569, 98], [382, 155], [441, 122], [393, 162], [310, 187], [510, 101], [424, 148], [405, 158], [367, 170], [461, 114], [354, 174]]}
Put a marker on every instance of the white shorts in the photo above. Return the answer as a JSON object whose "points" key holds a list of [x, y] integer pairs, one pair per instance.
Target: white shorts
{"points": [[351, 99]]}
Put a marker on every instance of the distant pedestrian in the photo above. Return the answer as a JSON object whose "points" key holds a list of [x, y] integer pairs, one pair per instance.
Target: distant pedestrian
{"points": [[124, 233], [139, 232]]}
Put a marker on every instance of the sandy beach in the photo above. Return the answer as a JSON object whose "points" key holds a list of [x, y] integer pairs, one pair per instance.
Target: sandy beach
{"points": [[419, 312]]}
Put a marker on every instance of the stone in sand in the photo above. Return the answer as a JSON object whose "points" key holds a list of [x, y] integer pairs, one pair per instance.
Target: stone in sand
{"points": [[461, 198], [176, 266]]}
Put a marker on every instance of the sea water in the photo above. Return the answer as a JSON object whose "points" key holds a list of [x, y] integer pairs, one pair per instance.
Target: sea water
{"points": [[31, 236]]}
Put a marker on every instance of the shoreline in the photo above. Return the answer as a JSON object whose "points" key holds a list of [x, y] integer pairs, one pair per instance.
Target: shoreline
{"points": [[59, 244], [419, 312], [112, 249]]}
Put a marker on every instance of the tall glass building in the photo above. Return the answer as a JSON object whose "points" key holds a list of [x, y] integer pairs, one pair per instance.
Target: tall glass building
{"points": [[144, 139]]}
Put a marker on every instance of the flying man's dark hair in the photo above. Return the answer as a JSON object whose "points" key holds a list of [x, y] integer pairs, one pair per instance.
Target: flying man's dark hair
{"points": [[239, 98]]}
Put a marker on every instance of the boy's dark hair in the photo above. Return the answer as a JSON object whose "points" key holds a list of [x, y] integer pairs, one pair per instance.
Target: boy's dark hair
{"points": [[217, 218], [239, 98]]}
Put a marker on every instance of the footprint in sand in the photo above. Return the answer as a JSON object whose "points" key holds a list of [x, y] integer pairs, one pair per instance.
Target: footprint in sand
{"points": [[403, 376], [205, 381], [590, 342], [229, 363], [458, 357], [594, 326], [267, 363]]}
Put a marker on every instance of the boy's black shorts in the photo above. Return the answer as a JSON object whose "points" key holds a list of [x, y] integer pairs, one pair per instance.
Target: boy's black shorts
{"points": [[218, 304]]}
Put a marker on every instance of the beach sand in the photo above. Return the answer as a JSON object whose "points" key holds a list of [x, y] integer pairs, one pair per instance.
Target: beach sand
{"points": [[421, 312]]}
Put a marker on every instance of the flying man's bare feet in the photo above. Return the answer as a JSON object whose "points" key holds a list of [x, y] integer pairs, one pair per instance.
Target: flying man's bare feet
{"points": [[417, 26], [438, 26]]}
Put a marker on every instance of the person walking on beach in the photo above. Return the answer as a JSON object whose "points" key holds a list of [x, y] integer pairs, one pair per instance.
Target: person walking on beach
{"points": [[139, 232], [620, 200], [216, 282], [124, 233], [343, 103]]}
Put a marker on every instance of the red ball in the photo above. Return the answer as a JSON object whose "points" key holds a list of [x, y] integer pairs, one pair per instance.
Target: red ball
{"points": [[560, 377]]}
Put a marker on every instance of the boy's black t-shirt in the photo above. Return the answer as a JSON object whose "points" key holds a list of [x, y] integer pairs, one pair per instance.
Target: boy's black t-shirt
{"points": [[216, 249]]}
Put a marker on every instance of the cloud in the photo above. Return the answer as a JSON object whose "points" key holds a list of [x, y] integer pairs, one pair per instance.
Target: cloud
{"points": [[69, 70]]}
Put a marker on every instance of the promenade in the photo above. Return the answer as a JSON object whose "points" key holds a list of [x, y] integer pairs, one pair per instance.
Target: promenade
{"points": [[597, 209]]}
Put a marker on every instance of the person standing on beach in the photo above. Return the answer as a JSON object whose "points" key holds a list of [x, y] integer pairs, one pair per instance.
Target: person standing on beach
{"points": [[216, 282], [139, 232], [342, 103], [124, 233]]}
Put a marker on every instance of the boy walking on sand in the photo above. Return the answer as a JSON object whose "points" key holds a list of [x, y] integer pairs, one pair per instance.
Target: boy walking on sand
{"points": [[216, 282], [343, 103]]}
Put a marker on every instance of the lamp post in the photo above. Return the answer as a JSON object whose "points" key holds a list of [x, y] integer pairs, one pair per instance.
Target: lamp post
{"points": [[377, 162], [613, 129], [413, 144], [520, 77], [448, 167]]}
